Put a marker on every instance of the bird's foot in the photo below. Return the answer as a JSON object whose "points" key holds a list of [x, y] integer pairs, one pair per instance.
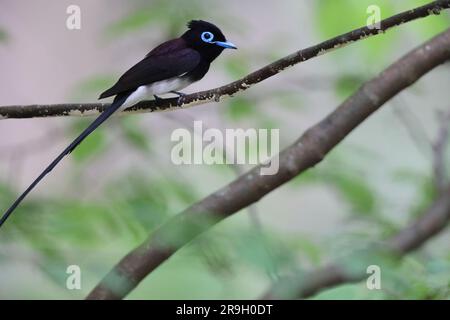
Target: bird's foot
{"points": [[181, 97], [157, 99]]}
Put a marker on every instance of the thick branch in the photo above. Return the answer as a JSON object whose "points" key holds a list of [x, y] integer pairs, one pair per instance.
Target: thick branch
{"points": [[434, 220], [217, 94], [306, 152]]}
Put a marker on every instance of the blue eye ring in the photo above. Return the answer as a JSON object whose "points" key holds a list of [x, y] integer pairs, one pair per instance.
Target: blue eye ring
{"points": [[207, 37]]}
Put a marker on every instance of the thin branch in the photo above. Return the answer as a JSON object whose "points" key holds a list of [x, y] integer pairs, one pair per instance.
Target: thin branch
{"points": [[217, 94], [306, 152], [434, 220], [413, 127]]}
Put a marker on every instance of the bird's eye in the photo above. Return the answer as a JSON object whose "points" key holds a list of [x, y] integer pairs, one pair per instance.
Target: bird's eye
{"points": [[207, 36]]}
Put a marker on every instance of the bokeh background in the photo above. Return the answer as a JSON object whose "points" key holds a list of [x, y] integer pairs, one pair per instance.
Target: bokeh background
{"points": [[120, 184]]}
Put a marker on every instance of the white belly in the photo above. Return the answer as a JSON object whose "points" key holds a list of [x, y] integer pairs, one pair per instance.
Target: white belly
{"points": [[147, 92]]}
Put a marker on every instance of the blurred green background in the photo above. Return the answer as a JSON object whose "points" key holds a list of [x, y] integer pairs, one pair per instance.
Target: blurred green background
{"points": [[120, 184]]}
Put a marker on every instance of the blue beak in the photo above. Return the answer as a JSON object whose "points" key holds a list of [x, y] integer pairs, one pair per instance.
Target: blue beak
{"points": [[227, 45]]}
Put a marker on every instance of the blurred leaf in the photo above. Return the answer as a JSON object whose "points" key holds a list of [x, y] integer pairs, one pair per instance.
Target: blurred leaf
{"points": [[331, 23], [425, 189], [351, 187], [183, 277], [347, 84], [329, 16], [5, 193], [134, 134], [267, 123], [289, 100], [429, 27], [216, 252], [239, 108], [341, 292], [136, 20], [409, 176], [356, 191], [144, 200], [170, 16], [92, 146], [252, 249], [92, 86], [183, 192], [306, 178], [4, 37], [426, 195], [54, 265], [236, 67], [310, 249], [80, 223]]}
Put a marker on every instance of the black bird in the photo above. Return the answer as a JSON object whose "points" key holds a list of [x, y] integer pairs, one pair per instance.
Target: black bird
{"points": [[169, 67]]}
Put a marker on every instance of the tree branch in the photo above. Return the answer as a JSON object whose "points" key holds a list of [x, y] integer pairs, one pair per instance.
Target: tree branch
{"points": [[434, 220], [439, 151], [306, 152], [217, 94]]}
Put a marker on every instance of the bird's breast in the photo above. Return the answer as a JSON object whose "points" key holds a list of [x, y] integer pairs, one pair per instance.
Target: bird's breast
{"points": [[165, 86]]}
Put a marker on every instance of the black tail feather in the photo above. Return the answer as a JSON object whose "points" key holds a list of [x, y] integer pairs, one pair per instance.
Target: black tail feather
{"points": [[94, 125]]}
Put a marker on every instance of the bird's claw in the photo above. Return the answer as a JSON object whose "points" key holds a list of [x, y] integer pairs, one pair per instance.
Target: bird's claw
{"points": [[180, 100], [181, 97]]}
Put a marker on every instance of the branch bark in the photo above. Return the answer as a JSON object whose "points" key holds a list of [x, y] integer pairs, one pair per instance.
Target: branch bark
{"points": [[434, 220], [306, 152], [217, 94]]}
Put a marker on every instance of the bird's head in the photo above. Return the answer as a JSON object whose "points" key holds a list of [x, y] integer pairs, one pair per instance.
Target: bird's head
{"points": [[206, 38]]}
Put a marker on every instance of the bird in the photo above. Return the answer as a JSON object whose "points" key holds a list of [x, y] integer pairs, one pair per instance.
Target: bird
{"points": [[168, 68]]}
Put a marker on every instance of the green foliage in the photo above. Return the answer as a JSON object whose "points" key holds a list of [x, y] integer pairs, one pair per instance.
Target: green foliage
{"points": [[424, 185], [156, 13], [355, 190], [336, 17], [134, 21], [237, 66], [428, 28], [417, 278], [3, 36], [92, 86], [134, 135], [239, 108], [310, 250], [93, 145], [352, 187], [234, 259], [347, 84]]}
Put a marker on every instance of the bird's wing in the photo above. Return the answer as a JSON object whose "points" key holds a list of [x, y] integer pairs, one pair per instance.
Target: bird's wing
{"points": [[160, 64]]}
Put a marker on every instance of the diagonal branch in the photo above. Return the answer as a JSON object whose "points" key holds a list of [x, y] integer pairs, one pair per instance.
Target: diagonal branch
{"points": [[217, 94], [306, 152]]}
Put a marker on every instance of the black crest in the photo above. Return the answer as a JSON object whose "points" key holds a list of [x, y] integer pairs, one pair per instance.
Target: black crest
{"points": [[198, 26], [201, 25]]}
